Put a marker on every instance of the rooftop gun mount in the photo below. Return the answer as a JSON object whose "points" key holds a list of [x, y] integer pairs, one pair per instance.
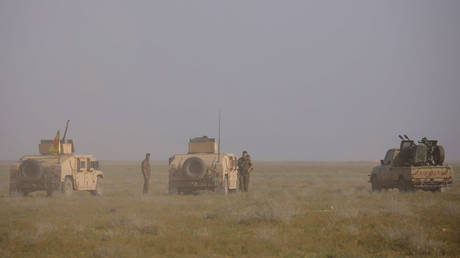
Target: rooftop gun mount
{"points": [[424, 153], [67, 145]]}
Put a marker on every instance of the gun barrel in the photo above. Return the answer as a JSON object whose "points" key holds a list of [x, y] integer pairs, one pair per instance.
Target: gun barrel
{"points": [[65, 132]]}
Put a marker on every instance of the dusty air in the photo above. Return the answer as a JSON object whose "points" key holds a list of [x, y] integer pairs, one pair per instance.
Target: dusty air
{"points": [[230, 128]]}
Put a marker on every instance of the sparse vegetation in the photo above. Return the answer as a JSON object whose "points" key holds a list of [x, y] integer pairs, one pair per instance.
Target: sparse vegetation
{"points": [[293, 209]]}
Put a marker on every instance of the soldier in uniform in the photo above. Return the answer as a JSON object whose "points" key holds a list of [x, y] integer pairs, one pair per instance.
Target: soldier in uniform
{"points": [[244, 168], [146, 172]]}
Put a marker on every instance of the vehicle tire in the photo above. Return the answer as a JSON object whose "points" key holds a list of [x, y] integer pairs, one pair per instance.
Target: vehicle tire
{"points": [[67, 186], [49, 193], [223, 187], [14, 191], [99, 187], [31, 168], [439, 155], [172, 189], [194, 167], [443, 189], [404, 185], [375, 185]]}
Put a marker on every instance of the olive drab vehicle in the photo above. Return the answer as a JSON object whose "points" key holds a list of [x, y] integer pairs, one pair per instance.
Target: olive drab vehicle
{"points": [[413, 166], [60, 170], [203, 168]]}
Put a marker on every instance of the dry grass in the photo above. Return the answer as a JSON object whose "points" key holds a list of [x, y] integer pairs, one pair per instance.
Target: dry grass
{"points": [[293, 209]]}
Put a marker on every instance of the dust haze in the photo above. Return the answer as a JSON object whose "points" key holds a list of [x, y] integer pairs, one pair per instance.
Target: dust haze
{"points": [[315, 91], [296, 80]]}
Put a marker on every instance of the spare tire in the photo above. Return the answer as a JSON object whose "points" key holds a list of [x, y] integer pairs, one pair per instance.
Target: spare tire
{"points": [[194, 167], [439, 155], [31, 168]]}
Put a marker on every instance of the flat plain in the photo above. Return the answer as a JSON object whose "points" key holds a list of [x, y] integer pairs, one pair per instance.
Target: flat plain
{"points": [[293, 209]]}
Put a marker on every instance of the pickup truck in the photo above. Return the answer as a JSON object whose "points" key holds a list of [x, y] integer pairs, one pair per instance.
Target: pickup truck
{"points": [[390, 174]]}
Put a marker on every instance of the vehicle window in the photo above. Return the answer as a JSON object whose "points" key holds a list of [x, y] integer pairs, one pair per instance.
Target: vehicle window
{"points": [[82, 164], [89, 164], [78, 165], [388, 158]]}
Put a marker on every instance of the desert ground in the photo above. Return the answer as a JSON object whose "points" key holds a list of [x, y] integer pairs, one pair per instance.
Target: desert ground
{"points": [[293, 209]]}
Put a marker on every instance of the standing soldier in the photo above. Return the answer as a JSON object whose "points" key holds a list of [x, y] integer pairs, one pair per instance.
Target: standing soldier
{"points": [[244, 168], [146, 172]]}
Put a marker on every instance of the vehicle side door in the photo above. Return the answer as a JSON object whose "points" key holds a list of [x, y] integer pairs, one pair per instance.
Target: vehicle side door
{"points": [[232, 172], [81, 174], [386, 168], [91, 177]]}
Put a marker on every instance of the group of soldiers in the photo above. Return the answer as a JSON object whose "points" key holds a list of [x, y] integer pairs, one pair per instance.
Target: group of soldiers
{"points": [[245, 167]]}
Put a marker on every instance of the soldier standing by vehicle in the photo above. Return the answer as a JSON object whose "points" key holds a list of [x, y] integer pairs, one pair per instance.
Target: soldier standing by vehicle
{"points": [[146, 172], [244, 168]]}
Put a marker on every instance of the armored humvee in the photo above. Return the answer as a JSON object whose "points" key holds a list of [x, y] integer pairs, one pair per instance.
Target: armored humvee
{"points": [[50, 171], [413, 166], [203, 168]]}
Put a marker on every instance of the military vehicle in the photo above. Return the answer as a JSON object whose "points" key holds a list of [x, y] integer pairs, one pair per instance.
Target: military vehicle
{"points": [[413, 166], [203, 168], [57, 168]]}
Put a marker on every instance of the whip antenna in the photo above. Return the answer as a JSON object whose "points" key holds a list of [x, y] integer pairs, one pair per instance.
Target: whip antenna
{"points": [[218, 140]]}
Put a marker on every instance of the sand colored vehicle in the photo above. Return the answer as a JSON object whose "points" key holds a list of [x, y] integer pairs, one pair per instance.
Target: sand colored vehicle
{"points": [[57, 168], [413, 166], [203, 168]]}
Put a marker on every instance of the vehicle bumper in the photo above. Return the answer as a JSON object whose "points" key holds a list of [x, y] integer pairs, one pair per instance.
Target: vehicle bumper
{"points": [[202, 184], [430, 184]]}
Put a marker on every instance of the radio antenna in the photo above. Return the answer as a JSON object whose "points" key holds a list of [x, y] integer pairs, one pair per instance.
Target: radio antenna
{"points": [[218, 140]]}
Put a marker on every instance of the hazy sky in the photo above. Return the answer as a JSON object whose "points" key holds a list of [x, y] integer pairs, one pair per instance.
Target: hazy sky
{"points": [[296, 80]]}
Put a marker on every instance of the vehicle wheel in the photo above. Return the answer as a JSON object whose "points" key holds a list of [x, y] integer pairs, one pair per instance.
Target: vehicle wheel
{"points": [[443, 189], [49, 193], [439, 155], [223, 187], [375, 185], [172, 189], [67, 186], [31, 168], [403, 185], [99, 187], [14, 191], [194, 167]]}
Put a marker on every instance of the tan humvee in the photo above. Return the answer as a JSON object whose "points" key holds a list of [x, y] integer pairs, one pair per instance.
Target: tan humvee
{"points": [[66, 172], [203, 168]]}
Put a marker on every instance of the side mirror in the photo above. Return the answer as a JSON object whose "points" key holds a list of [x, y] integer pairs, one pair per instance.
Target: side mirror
{"points": [[381, 162]]}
